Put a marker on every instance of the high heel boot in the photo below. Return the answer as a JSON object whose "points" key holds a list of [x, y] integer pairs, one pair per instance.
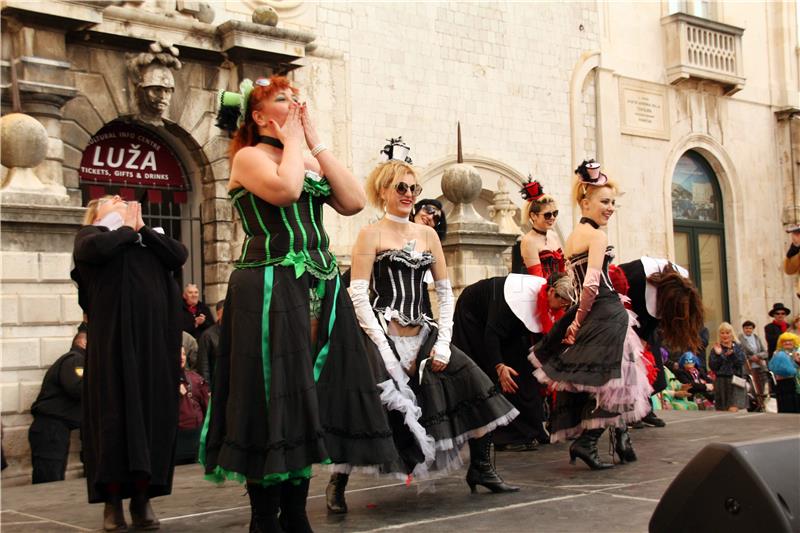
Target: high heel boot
{"points": [[293, 507], [334, 493], [585, 448], [481, 470], [623, 445], [264, 505]]}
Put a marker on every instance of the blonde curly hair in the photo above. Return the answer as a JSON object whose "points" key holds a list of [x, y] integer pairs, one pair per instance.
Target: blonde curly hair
{"points": [[382, 177]]}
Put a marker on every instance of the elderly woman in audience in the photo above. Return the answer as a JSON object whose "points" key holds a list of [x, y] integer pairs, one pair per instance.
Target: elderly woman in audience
{"points": [[784, 364], [727, 362], [694, 380]]}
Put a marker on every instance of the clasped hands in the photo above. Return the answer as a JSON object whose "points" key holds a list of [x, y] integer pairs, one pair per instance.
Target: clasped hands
{"points": [[133, 216], [297, 127]]}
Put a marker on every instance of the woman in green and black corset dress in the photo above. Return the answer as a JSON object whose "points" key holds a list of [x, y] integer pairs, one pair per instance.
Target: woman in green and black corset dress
{"points": [[291, 387]]}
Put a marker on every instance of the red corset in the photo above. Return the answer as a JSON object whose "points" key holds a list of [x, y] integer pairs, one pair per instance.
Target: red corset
{"points": [[552, 261]]}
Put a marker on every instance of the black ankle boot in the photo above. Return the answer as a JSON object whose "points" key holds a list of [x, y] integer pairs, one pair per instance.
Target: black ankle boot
{"points": [[142, 515], [623, 445], [293, 507], [652, 420], [113, 517], [585, 448], [481, 470], [334, 493], [264, 505]]}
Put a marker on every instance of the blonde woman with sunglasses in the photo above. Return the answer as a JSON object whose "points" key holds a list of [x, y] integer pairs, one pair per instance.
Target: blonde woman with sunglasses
{"points": [[444, 398], [540, 247]]}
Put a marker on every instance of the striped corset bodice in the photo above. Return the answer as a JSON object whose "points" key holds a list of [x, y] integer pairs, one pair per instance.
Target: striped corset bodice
{"points": [[288, 236], [398, 285]]}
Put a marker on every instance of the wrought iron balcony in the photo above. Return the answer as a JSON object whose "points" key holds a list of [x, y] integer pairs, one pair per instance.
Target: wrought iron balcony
{"points": [[703, 49]]}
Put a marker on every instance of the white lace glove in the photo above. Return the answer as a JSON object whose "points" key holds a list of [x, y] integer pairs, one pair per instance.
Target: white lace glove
{"points": [[444, 293], [359, 293]]}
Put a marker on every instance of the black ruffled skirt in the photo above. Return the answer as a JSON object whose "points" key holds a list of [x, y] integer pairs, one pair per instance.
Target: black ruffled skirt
{"points": [[601, 379], [452, 406], [279, 405]]}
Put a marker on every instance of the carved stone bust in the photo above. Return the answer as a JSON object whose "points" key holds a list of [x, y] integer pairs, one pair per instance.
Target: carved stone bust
{"points": [[154, 84]]}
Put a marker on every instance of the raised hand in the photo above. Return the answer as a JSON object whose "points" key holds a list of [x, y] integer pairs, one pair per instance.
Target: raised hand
{"points": [[312, 139], [131, 217], [292, 129]]}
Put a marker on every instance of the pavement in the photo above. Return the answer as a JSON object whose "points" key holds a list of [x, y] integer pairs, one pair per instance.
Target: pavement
{"points": [[555, 496]]}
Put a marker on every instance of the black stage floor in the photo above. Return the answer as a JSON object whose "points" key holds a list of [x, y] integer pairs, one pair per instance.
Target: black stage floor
{"points": [[555, 495]]}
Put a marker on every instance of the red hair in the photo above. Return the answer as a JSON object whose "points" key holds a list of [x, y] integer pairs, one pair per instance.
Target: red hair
{"points": [[247, 134]]}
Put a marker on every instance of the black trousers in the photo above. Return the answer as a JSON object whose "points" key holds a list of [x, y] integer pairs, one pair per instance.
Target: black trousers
{"points": [[49, 440]]}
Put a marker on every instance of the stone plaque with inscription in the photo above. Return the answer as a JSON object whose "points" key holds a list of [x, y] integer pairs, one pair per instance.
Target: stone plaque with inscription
{"points": [[644, 109]]}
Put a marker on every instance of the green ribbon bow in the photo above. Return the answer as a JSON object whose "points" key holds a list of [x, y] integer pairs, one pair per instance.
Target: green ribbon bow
{"points": [[297, 260]]}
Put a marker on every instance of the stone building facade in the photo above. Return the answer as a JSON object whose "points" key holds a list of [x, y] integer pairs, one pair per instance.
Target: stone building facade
{"points": [[536, 87]]}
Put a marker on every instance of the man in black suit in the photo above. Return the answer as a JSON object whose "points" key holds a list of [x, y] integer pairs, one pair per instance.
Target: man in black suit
{"points": [[774, 329]]}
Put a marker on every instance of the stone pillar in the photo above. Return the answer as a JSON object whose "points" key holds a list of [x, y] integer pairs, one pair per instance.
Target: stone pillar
{"points": [[503, 209], [474, 246]]}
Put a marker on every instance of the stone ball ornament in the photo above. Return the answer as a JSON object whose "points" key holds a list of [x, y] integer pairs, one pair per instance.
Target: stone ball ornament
{"points": [[265, 15], [24, 141], [461, 183]]}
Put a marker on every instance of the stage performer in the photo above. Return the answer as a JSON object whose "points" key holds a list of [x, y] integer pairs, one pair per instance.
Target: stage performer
{"points": [[592, 353], [496, 322], [124, 270], [540, 247], [290, 386], [457, 402], [668, 308]]}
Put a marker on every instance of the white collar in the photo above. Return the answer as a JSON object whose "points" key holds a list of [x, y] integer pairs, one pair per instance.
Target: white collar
{"points": [[395, 218], [521, 292]]}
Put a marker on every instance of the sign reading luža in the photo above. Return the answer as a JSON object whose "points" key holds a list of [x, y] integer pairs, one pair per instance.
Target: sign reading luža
{"points": [[127, 155]]}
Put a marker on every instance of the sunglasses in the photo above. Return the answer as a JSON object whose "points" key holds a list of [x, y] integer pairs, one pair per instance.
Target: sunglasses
{"points": [[550, 214], [402, 188], [433, 211], [262, 82]]}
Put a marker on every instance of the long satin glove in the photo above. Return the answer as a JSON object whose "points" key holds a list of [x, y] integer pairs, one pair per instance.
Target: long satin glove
{"points": [[444, 293], [359, 293], [591, 286], [535, 270]]}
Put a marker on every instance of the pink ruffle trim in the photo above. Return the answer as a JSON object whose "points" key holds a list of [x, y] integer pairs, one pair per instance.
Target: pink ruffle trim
{"points": [[628, 395]]}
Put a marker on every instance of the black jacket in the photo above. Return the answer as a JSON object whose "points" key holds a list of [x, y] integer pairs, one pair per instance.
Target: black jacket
{"points": [[729, 363], [771, 333], [187, 319], [60, 396], [207, 348]]}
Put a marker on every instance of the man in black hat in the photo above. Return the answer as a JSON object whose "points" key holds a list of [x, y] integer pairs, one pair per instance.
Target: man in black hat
{"points": [[774, 329]]}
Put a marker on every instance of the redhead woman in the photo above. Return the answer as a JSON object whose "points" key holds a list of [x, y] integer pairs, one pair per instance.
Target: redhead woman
{"points": [[290, 388]]}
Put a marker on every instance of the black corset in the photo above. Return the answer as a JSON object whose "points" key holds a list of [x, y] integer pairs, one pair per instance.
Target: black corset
{"points": [[579, 263], [398, 286]]}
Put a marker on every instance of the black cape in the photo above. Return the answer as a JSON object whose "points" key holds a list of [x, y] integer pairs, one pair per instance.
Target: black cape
{"points": [[485, 328], [130, 386]]}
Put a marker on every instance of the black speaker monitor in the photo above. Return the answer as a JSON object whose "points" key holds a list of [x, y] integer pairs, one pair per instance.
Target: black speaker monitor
{"points": [[746, 487]]}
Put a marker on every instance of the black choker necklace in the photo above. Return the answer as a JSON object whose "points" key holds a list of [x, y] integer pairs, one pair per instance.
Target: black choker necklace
{"points": [[592, 223], [272, 141], [542, 233]]}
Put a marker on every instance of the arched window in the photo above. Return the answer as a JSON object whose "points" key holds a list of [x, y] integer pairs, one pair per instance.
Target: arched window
{"points": [[699, 231]]}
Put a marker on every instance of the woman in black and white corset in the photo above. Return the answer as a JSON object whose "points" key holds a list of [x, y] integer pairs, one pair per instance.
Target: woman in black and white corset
{"points": [[448, 399], [592, 356]]}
